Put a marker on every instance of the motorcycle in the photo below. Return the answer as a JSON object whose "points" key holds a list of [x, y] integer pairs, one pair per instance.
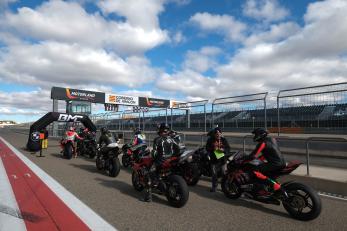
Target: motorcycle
{"points": [[299, 200], [132, 154], [201, 160], [67, 148], [164, 182], [107, 159], [87, 146]]}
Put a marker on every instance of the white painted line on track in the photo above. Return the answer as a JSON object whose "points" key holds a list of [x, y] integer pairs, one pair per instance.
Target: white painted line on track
{"points": [[10, 218], [333, 197], [87, 215]]}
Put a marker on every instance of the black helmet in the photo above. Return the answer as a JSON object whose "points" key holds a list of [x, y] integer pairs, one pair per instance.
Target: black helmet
{"points": [[103, 130], [137, 131], [163, 127], [259, 134]]}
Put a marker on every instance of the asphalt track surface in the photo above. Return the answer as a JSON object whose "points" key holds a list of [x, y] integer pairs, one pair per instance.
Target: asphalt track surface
{"points": [[117, 202]]}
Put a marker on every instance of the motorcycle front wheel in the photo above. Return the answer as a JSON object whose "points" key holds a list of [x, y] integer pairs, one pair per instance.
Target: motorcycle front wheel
{"points": [[114, 167], [177, 191], [230, 188]]}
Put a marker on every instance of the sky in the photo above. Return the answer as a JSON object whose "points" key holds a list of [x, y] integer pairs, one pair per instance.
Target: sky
{"points": [[174, 49]]}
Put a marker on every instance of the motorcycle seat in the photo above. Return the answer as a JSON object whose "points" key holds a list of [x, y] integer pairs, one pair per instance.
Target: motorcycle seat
{"points": [[290, 166]]}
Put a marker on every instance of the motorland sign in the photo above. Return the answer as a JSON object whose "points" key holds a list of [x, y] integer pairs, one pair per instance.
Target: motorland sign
{"points": [[69, 118], [77, 95], [122, 99]]}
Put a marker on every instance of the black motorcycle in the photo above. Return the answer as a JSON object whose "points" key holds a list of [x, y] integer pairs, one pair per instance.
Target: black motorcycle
{"points": [[132, 154], [107, 159], [301, 201], [87, 146], [201, 160]]}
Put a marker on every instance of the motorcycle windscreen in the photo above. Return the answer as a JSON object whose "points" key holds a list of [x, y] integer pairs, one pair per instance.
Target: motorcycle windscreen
{"points": [[219, 154]]}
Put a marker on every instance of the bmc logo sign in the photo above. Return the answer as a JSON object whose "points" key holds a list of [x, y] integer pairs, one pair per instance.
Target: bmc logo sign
{"points": [[69, 118]]}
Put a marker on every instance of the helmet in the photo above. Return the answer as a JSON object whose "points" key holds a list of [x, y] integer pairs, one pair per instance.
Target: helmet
{"points": [[137, 131], [163, 127], [71, 129], [259, 134], [103, 130]]}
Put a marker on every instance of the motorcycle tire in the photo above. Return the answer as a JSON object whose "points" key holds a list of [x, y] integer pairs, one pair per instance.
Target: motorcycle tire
{"points": [[296, 200], [177, 191], [114, 167], [191, 174], [92, 152], [125, 160], [230, 188], [98, 163], [68, 150], [136, 182]]}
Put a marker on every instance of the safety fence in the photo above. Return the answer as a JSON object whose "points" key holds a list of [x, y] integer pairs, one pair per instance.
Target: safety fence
{"points": [[310, 110]]}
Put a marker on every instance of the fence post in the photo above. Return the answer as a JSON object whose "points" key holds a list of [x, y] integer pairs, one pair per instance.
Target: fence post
{"points": [[278, 115], [307, 157], [265, 113]]}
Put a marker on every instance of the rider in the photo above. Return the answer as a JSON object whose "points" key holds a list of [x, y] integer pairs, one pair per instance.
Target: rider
{"points": [[216, 146], [72, 135], [139, 137], [163, 148], [266, 150], [106, 138]]}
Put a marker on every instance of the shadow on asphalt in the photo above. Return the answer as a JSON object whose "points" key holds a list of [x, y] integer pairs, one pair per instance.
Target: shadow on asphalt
{"points": [[204, 191], [89, 168], [21, 215], [128, 190]]}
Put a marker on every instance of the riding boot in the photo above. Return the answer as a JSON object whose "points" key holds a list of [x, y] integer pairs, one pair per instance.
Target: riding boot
{"points": [[147, 197]]}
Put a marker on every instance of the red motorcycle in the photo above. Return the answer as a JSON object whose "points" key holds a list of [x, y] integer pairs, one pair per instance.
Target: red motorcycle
{"points": [[67, 148], [163, 181], [299, 200]]}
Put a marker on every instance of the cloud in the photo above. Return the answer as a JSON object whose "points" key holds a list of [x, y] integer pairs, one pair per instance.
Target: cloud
{"points": [[52, 63], [178, 37], [225, 25], [265, 10], [33, 102], [276, 33], [68, 22], [179, 2], [273, 60], [201, 60], [189, 82]]}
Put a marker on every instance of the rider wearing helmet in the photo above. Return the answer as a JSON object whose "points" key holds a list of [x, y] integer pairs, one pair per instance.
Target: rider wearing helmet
{"points": [[106, 137], [139, 137], [163, 147], [266, 149], [270, 156], [216, 146]]}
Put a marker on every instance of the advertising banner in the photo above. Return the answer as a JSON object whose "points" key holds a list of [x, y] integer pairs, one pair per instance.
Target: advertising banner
{"points": [[179, 104], [152, 102], [122, 99], [77, 95]]}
